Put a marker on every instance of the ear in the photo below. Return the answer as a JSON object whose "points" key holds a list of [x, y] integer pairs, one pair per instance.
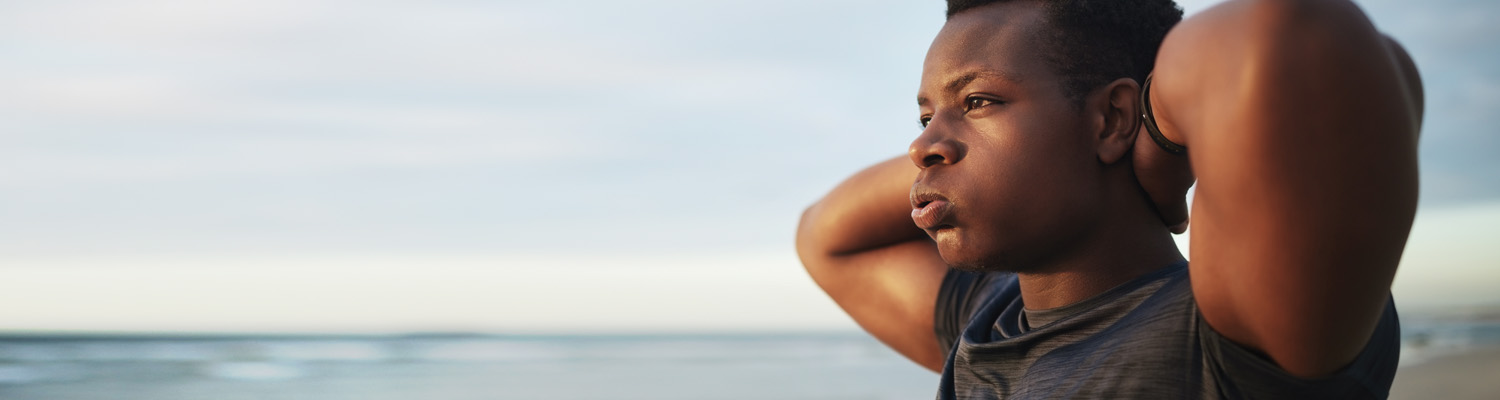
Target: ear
{"points": [[1118, 103]]}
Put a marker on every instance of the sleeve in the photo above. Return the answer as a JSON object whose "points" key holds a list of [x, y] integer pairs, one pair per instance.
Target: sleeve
{"points": [[1241, 373], [960, 296]]}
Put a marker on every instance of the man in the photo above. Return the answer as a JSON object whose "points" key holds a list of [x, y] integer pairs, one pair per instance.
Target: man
{"points": [[1023, 247]]}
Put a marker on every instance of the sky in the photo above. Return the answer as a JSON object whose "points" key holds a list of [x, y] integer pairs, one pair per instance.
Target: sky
{"points": [[386, 166]]}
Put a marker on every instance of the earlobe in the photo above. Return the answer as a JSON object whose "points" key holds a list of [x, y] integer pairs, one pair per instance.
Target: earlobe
{"points": [[1121, 119]]}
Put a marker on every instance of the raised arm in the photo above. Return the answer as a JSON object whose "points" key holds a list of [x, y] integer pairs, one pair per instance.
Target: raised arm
{"points": [[860, 245], [1301, 123]]}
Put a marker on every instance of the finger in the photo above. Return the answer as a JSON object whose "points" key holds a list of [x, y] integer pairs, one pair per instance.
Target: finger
{"points": [[1174, 212], [1180, 228]]}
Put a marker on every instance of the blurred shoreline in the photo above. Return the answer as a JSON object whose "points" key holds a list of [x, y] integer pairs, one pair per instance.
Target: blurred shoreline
{"points": [[1454, 354], [1449, 353], [457, 366], [1473, 374]]}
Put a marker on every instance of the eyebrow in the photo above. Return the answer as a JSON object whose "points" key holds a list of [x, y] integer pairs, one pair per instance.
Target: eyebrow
{"points": [[954, 85]]}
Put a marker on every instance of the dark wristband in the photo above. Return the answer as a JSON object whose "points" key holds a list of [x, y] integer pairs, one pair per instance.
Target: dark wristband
{"points": [[1150, 121]]}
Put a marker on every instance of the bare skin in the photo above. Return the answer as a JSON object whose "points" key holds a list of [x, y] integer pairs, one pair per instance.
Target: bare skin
{"points": [[860, 246], [1303, 133], [1301, 121]]}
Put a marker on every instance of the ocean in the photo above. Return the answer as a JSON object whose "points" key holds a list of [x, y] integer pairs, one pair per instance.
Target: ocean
{"points": [[460, 366], [782, 366]]}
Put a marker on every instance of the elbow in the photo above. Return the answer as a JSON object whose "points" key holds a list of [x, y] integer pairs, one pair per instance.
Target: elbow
{"points": [[810, 246], [1290, 23], [1333, 45], [1411, 82]]}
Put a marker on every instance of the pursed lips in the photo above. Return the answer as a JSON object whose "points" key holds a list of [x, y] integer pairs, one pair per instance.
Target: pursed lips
{"points": [[929, 209]]}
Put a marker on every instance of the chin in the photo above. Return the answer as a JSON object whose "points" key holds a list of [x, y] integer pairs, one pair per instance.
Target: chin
{"points": [[991, 262], [987, 254], [960, 252]]}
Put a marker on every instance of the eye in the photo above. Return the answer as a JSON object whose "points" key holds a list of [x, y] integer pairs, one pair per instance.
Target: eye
{"points": [[924, 120], [977, 102]]}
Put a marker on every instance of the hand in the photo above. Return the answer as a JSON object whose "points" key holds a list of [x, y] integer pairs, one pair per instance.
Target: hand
{"points": [[1166, 178]]}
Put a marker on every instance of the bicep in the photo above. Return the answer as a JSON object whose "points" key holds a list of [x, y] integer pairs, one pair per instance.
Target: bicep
{"points": [[1303, 139], [891, 292]]}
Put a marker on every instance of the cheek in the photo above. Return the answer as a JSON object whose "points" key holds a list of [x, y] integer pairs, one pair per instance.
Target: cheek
{"points": [[1037, 170], [1034, 189], [1051, 182]]}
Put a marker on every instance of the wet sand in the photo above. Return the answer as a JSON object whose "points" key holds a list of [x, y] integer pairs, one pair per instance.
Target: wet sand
{"points": [[1473, 374]]}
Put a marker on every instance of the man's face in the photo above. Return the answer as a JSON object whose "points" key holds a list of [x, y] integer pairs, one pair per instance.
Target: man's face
{"points": [[1009, 174]]}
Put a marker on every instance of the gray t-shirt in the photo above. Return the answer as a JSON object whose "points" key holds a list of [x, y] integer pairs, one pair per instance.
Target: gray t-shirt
{"points": [[1141, 340]]}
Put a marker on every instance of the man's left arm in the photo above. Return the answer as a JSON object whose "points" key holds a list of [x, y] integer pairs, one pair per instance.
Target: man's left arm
{"points": [[1301, 124]]}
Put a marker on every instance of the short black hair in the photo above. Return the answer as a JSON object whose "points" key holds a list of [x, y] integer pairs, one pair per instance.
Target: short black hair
{"points": [[1098, 41]]}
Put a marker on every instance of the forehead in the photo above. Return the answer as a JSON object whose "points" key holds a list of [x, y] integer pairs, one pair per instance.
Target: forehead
{"points": [[997, 39]]}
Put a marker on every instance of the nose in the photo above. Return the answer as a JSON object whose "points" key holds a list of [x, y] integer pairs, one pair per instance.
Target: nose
{"points": [[933, 147]]}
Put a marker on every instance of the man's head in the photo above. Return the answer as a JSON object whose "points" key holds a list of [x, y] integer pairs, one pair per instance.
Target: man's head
{"points": [[1029, 108], [1092, 42]]}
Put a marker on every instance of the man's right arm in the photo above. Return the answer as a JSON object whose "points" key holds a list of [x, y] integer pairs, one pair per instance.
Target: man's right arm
{"points": [[860, 245]]}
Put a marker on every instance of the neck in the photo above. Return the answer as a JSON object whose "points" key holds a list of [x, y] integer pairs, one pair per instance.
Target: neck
{"points": [[1127, 244]]}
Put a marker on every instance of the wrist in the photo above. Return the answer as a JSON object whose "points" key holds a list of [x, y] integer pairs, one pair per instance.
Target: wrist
{"points": [[1148, 118]]}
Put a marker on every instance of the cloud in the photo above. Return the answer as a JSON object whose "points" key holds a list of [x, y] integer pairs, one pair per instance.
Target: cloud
{"points": [[416, 292], [138, 133], [739, 112]]}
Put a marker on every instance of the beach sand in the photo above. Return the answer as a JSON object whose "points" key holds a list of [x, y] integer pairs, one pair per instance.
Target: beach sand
{"points": [[1473, 374]]}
